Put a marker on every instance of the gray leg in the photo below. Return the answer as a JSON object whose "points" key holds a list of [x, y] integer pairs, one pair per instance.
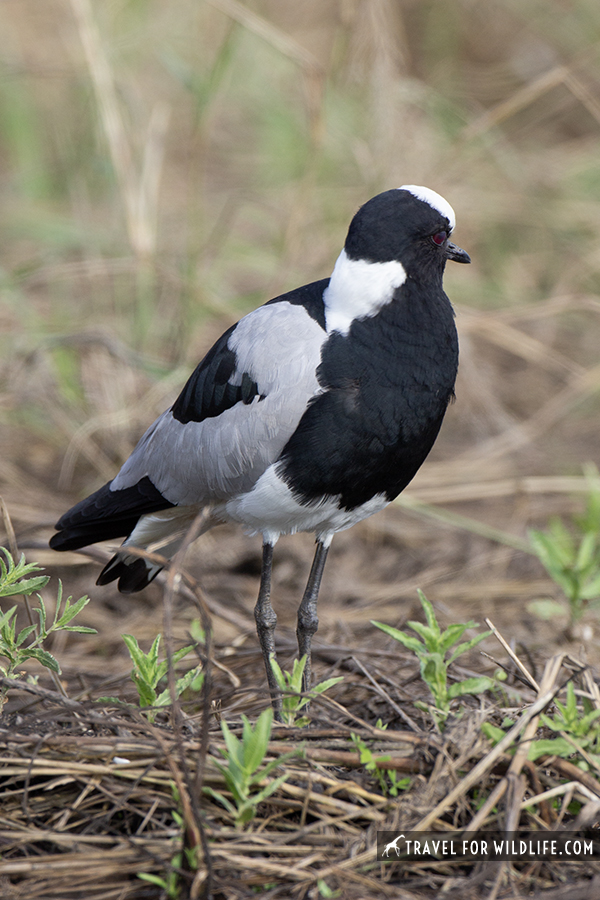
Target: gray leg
{"points": [[266, 620], [307, 611]]}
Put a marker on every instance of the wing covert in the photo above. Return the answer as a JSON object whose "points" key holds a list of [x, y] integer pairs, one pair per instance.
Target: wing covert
{"points": [[236, 412]]}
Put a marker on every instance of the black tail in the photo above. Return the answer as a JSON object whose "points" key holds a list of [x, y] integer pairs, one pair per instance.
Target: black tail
{"points": [[134, 573], [77, 536], [107, 514]]}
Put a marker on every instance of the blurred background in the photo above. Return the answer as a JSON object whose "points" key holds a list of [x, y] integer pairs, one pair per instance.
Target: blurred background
{"points": [[166, 167]]}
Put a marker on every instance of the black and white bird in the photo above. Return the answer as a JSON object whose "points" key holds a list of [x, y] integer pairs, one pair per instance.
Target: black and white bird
{"points": [[311, 413]]}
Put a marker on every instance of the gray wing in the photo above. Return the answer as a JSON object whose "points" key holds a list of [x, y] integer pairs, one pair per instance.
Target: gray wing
{"points": [[237, 411]]}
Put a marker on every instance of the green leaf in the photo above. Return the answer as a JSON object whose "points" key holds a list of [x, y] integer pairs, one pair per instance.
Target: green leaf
{"points": [[257, 740], [146, 692], [429, 636], [269, 789], [198, 682], [588, 720], [475, 685], [233, 744], [57, 608], [197, 632], [40, 611], [27, 586], [290, 685], [164, 699], [429, 613], [71, 611], [79, 629], [194, 679], [570, 710], [12, 571], [468, 645], [325, 891], [591, 589], [153, 668], [453, 633], [555, 550], [145, 667], [295, 679], [245, 812], [24, 634], [153, 879], [180, 654], [6, 617], [42, 656], [546, 609], [301, 722], [157, 671], [409, 642], [551, 747], [216, 795], [8, 634], [325, 685], [278, 673], [279, 761], [587, 548], [133, 647], [492, 732]]}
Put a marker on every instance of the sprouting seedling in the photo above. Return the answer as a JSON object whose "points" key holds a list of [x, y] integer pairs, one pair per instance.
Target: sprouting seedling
{"points": [[432, 647], [148, 671], [390, 783], [290, 684], [575, 727], [245, 771], [17, 647], [571, 556]]}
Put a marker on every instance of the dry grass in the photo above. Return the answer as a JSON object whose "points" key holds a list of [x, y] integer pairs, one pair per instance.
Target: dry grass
{"points": [[166, 167], [88, 802]]}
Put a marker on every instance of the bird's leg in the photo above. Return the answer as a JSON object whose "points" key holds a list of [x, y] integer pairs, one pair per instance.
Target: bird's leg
{"points": [[308, 621], [266, 620]]}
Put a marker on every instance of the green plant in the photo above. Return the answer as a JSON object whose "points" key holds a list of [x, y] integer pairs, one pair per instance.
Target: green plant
{"points": [[432, 651], [244, 771], [148, 672], [389, 782], [325, 891], [171, 881], [577, 727], [571, 556], [15, 647], [290, 684]]}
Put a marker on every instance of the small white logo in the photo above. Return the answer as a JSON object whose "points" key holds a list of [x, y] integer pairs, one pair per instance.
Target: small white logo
{"points": [[392, 845]]}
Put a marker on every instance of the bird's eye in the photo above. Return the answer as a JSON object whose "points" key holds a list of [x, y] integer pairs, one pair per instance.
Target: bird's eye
{"points": [[440, 238]]}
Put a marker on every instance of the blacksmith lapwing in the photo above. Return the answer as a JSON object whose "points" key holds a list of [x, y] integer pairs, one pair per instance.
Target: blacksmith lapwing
{"points": [[311, 413]]}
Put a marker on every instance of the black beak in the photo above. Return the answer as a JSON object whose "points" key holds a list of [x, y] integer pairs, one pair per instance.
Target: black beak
{"points": [[457, 253]]}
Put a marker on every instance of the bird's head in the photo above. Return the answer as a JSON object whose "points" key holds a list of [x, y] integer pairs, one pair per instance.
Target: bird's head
{"points": [[410, 225]]}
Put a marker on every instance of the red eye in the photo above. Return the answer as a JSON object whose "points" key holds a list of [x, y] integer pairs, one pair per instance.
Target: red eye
{"points": [[440, 238]]}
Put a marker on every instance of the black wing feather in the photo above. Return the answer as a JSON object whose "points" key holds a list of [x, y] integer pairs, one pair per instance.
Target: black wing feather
{"points": [[209, 390]]}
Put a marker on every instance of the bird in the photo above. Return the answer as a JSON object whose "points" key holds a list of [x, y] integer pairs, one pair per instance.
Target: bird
{"points": [[310, 414]]}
